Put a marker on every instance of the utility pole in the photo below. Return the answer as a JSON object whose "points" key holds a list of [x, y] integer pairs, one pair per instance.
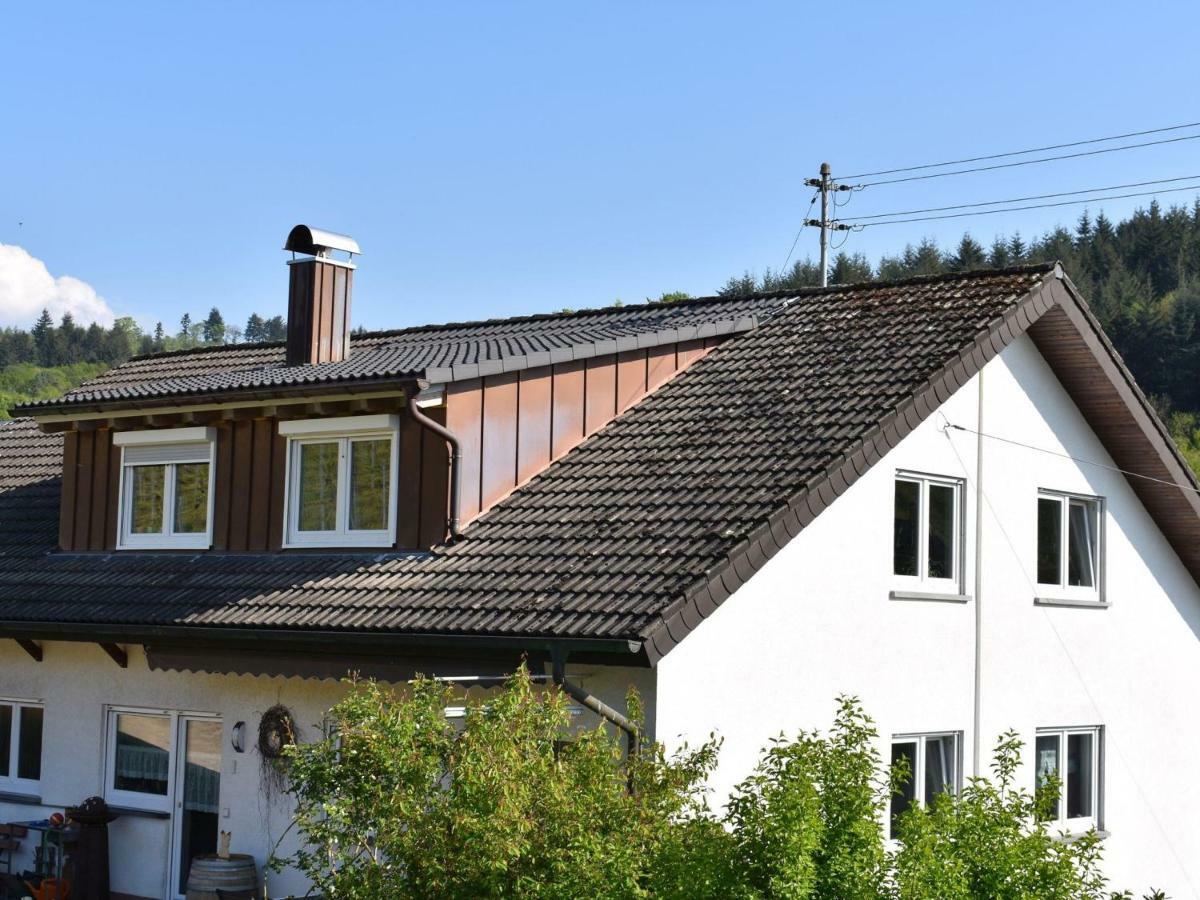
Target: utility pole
{"points": [[826, 184]]}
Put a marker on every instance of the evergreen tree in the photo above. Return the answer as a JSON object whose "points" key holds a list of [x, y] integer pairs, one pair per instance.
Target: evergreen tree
{"points": [[185, 325], [43, 338], [214, 327], [255, 328], [160, 339], [969, 255], [275, 329]]}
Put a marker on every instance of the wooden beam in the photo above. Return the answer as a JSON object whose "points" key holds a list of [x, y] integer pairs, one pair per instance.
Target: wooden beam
{"points": [[56, 427], [33, 648], [117, 654]]}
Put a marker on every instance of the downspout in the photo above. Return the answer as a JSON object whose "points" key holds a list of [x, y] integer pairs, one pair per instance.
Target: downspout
{"points": [[633, 736], [979, 501], [455, 457]]}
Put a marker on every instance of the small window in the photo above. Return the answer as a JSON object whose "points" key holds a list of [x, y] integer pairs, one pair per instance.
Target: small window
{"points": [[1070, 545], [927, 533], [20, 746], [1071, 755], [166, 488], [341, 481], [933, 768], [139, 759]]}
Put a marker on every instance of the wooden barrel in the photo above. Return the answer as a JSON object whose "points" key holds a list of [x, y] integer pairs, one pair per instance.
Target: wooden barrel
{"points": [[236, 878]]}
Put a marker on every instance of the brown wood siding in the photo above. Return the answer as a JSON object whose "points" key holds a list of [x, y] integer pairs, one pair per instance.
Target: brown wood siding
{"points": [[100, 470], [510, 428], [223, 485], [318, 311], [434, 490], [88, 511], [66, 511], [249, 486], [408, 490], [83, 489]]}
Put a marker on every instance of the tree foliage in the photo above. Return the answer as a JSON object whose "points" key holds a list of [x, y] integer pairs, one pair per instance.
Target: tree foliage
{"points": [[399, 802]]}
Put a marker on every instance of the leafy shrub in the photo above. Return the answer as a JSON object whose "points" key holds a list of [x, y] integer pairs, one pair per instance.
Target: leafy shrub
{"points": [[400, 803]]}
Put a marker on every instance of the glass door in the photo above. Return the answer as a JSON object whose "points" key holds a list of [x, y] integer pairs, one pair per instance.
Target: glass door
{"points": [[197, 796]]}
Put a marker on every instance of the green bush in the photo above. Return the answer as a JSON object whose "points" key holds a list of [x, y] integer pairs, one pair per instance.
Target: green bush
{"points": [[399, 802]]}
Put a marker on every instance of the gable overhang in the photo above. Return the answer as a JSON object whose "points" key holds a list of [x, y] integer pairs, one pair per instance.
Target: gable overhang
{"points": [[1058, 320]]}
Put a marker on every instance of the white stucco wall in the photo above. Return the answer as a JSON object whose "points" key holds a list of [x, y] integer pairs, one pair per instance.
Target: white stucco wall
{"points": [[817, 621], [78, 682]]}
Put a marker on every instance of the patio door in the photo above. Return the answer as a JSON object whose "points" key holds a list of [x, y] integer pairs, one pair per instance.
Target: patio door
{"points": [[195, 822]]}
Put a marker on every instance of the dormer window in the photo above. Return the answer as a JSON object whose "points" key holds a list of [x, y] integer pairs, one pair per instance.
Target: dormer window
{"points": [[166, 489], [341, 481]]}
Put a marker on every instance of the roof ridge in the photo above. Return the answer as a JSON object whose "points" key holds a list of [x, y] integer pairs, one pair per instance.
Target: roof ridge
{"points": [[433, 328], [616, 308]]}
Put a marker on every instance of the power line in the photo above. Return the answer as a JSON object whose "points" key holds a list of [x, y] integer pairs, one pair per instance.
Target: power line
{"points": [[988, 212], [1030, 162], [1075, 459], [800, 231], [933, 209], [972, 159]]}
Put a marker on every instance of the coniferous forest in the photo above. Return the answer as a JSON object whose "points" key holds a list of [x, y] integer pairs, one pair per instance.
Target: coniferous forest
{"points": [[1141, 276]]}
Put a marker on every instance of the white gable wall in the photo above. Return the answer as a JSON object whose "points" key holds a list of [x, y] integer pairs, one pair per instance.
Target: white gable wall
{"points": [[817, 621]]}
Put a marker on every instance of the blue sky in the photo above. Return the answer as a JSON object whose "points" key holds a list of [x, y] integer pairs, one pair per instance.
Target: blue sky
{"points": [[502, 158]]}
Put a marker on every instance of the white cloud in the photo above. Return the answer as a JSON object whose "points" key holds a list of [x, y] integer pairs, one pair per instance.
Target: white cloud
{"points": [[27, 287]]}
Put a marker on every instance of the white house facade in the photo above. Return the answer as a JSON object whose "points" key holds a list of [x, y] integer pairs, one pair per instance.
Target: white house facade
{"points": [[1116, 668]]}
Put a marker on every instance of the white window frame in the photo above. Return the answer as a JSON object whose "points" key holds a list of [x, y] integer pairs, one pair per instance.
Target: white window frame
{"points": [[918, 773], [8, 780], [136, 799], [1082, 823], [921, 581], [167, 539], [343, 431], [1063, 590]]}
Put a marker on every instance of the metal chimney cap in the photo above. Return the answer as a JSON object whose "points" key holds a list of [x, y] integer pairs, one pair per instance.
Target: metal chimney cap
{"points": [[316, 242]]}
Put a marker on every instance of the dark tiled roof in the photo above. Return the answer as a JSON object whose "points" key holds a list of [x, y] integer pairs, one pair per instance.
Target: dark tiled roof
{"points": [[610, 540], [437, 353]]}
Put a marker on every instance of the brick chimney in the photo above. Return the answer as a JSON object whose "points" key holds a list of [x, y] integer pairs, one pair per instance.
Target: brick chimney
{"points": [[318, 323]]}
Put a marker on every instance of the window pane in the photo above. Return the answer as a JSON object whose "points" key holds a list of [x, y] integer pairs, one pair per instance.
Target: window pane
{"points": [[146, 499], [191, 498], [1049, 550], [143, 754], [908, 790], [318, 486], [1081, 542], [6, 722], [1047, 762], [29, 743], [906, 532], [1079, 775], [370, 474], [940, 763], [941, 531]]}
